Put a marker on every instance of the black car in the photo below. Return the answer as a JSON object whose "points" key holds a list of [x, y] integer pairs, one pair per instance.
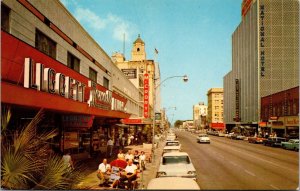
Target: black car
{"points": [[274, 141]]}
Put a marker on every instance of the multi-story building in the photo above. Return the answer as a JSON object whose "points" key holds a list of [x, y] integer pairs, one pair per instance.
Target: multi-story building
{"points": [[215, 108], [141, 72], [265, 64], [49, 61], [199, 115]]}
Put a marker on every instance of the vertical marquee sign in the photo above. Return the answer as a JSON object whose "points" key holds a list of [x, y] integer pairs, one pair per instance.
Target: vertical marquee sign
{"points": [[146, 95], [262, 39], [237, 100]]}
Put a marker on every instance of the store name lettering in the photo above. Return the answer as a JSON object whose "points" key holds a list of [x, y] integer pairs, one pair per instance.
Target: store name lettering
{"points": [[262, 40], [37, 76]]}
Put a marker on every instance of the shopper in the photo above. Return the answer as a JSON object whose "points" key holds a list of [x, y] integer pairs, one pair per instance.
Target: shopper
{"points": [[110, 145]]}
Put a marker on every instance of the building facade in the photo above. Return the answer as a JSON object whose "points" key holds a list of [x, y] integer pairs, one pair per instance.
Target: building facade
{"points": [[141, 72], [49, 61], [215, 108], [199, 115], [265, 62]]}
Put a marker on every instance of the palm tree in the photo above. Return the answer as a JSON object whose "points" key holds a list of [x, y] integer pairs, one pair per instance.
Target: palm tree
{"points": [[27, 164]]}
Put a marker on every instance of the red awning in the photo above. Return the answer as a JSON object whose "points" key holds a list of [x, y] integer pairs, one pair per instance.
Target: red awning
{"points": [[217, 125]]}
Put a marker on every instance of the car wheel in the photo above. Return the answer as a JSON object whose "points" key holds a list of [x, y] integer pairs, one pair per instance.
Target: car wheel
{"points": [[283, 147]]}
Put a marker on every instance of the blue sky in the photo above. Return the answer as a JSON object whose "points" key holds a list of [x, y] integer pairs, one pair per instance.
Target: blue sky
{"points": [[193, 37]]}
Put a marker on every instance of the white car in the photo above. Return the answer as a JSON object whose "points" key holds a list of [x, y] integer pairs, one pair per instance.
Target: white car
{"points": [[172, 183], [171, 137], [203, 138], [173, 143], [168, 149], [176, 164]]}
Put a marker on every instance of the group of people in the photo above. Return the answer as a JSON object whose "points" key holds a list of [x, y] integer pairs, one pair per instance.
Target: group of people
{"points": [[135, 164]]}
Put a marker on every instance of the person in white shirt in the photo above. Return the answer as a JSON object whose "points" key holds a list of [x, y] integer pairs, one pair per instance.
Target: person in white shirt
{"points": [[142, 160], [129, 156], [121, 155], [110, 145], [68, 160], [103, 174], [130, 174]]}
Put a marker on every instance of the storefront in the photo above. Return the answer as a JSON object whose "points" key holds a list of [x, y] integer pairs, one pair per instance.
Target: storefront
{"points": [[217, 126], [139, 126], [292, 126], [76, 106]]}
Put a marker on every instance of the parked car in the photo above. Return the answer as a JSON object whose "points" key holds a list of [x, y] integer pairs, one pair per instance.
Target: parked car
{"points": [[274, 141], [256, 139], [221, 134], [172, 183], [168, 149], [176, 164], [292, 144], [203, 138], [171, 137]]}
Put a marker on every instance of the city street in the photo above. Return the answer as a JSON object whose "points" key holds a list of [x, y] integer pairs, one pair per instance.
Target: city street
{"points": [[237, 164]]}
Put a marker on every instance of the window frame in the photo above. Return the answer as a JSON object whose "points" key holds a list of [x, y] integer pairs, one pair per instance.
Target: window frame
{"points": [[92, 70], [3, 7], [53, 53], [104, 84], [71, 63]]}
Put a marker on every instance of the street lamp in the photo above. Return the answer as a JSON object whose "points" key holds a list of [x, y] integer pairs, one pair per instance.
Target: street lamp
{"points": [[185, 79]]}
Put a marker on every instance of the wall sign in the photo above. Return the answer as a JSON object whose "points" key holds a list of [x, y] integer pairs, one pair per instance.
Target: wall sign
{"points": [[262, 39], [129, 73], [237, 100], [146, 95], [41, 78]]}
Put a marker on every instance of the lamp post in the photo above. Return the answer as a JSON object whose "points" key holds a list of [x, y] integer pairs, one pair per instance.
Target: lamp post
{"points": [[185, 79]]}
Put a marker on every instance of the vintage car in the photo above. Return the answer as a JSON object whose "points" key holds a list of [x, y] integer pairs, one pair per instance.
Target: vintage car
{"points": [[292, 144], [173, 143], [176, 164], [203, 138], [256, 139], [274, 141], [172, 183], [168, 149]]}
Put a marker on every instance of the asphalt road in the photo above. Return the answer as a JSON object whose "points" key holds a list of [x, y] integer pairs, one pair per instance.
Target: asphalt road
{"points": [[236, 164]]}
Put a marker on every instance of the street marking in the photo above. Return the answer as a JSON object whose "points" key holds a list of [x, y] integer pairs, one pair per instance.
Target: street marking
{"points": [[274, 187], [257, 158], [251, 173]]}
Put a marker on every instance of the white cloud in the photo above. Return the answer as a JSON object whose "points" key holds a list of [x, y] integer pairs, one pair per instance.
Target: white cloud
{"points": [[114, 24], [89, 17]]}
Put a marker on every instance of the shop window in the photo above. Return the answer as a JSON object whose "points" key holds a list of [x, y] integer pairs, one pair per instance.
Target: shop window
{"points": [[5, 12], [45, 44], [93, 75], [73, 62], [106, 83]]}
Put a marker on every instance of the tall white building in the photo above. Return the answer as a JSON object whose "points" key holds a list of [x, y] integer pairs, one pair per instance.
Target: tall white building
{"points": [[199, 115]]}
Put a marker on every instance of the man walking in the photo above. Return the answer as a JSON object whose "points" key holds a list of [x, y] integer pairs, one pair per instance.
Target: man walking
{"points": [[110, 145]]}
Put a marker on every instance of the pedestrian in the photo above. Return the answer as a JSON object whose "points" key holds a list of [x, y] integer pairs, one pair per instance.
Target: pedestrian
{"points": [[142, 160], [129, 156], [110, 145], [67, 159], [136, 157], [121, 155], [131, 139], [123, 141], [136, 140], [117, 144], [267, 135], [130, 175], [103, 173]]}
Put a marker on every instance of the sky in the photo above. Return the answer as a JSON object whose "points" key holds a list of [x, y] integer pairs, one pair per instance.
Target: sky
{"points": [[193, 37]]}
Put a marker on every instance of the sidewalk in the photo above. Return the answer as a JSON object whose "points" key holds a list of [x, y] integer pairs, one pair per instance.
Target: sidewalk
{"points": [[92, 182]]}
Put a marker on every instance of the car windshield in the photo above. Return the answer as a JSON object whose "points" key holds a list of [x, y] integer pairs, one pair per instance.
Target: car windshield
{"points": [[172, 144], [176, 160], [203, 135]]}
